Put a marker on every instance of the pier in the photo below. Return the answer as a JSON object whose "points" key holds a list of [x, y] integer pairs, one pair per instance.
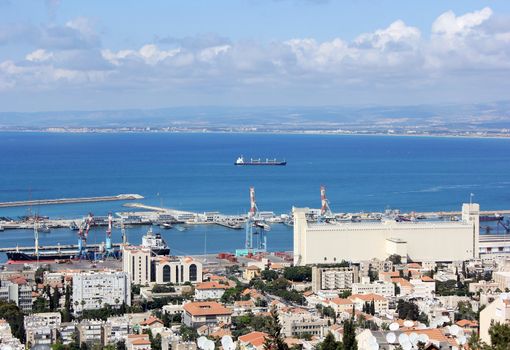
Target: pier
{"points": [[119, 197]]}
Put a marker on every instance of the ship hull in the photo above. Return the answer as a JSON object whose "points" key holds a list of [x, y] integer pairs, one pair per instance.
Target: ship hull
{"points": [[23, 257], [161, 251], [262, 163]]}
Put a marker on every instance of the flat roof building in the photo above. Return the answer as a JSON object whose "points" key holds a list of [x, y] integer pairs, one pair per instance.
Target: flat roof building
{"points": [[329, 243]]}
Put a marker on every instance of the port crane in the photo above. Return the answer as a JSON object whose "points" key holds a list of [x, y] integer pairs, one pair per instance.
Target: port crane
{"points": [[326, 213], [83, 234], [256, 227], [108, 239]]}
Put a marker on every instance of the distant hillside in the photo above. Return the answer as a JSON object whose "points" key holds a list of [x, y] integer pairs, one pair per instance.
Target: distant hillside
{"points": [[441, 117]]}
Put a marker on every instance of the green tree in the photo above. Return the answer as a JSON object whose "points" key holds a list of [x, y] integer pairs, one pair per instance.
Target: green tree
{"points": [[345, 294], [275, 339], [298, 273], [40, 305], [407, 310], [188, 333], [269, 275], [500, 336], [349, 337], [121, 345], [330, 343], [14, 316]]}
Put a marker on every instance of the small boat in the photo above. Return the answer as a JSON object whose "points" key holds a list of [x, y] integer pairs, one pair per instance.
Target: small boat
{"points": [[166, 225], [44, 229], [241, 161]]}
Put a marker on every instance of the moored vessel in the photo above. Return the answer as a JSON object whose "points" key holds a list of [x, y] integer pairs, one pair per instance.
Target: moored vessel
{"points": [[240, 161]]}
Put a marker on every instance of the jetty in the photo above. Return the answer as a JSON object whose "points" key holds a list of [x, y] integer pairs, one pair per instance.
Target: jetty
{"points": [[35, 202]]}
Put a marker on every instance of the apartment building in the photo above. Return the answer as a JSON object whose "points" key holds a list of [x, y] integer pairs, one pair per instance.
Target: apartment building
{"points": [[298, 322], [386, 289], [93, 290], [334, 278], [17, 291], [42, 328]]}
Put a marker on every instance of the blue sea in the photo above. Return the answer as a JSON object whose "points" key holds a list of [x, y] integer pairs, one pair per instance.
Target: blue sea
{"points": [[196, 172]]}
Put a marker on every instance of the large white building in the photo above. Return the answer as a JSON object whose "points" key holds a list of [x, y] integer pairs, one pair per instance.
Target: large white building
{"points": [[144, 269], [319, 243], [92, 290]]}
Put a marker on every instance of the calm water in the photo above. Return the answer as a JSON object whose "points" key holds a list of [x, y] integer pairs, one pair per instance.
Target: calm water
{"points": [[196, 172]]}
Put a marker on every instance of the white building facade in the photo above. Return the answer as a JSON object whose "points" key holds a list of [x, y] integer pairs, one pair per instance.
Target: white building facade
{"points": [[144, 269], [92, 290], [320, 243], [386, 289]]}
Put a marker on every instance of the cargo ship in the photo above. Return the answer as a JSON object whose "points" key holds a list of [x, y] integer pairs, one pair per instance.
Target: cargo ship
{"points": [[241, 161], [151, 240], [156, 243]]}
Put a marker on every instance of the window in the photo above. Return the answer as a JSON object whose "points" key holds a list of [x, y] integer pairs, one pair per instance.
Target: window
{"points": [[193, 273], [166, 273], [177, 274]]}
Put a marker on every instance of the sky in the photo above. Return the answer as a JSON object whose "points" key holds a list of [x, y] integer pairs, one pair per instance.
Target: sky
{"points": [[95, 54]]}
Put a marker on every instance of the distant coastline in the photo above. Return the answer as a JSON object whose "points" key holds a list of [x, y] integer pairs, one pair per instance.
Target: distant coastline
{"points": [[331, 132]]}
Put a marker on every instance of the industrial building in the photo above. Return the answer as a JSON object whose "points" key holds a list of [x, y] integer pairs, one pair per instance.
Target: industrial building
{"points": [[332, 242]]}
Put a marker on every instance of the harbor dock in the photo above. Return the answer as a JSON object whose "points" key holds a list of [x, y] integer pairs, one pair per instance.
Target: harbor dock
{"points": [[119, 197]]}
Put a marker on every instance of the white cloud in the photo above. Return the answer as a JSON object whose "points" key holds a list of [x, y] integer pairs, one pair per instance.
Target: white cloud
{"points": [[210, 53], [397, 35], [150, 54], [39, 55], [449, 24], [397, 57]]}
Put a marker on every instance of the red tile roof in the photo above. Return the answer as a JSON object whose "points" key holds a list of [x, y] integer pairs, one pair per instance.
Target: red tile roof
{"points": [[211, 285], [150, 321], [255, 338], [466, 323], [427, 279], [341, 301], [204, 308]]}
